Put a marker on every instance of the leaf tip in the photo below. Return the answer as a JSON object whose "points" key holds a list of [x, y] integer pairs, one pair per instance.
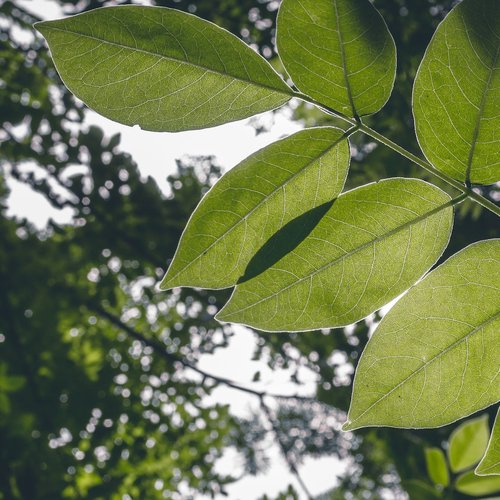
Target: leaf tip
{"points": [[166, 283], [348, 426], [478, 471], [226, 313], [220, 316], [39, 26], [42, 27]]}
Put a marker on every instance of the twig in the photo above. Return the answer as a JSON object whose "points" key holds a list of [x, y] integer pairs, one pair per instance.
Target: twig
{"points": [[172, 358], [289, 461]]}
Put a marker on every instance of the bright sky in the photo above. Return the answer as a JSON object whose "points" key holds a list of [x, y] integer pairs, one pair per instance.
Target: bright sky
{"points": [[155, 154]]}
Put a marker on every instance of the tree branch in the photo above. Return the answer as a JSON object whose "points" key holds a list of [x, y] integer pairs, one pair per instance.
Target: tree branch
{"points": [[289, 461], [172, 358]]}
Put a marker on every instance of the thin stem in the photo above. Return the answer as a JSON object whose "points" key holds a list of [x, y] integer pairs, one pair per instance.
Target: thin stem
{"points": [[458, 199], [466, 189], [289, 461], [172, 358], [326, 109], [427, 166]]}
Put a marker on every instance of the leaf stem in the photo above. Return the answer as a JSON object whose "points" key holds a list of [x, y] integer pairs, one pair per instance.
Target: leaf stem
{"points": [[326, 109], [466, 189], [427, 166]]}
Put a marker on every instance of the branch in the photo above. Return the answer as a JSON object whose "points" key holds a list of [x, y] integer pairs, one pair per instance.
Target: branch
{"points": [[172, 358], [289, 461]]}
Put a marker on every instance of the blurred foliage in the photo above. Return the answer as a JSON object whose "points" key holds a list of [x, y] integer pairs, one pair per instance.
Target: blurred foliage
{"points": [[100, 393]]}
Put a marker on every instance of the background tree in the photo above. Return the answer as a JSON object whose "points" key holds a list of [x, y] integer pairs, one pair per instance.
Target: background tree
{"points": [[100, 393]]}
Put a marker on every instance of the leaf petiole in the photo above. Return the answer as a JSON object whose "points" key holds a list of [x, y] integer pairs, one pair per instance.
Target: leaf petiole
{"points": [[359, 126]]}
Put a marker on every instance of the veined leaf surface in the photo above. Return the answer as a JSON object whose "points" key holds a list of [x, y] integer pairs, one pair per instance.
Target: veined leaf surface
{"points": [[456, 98], [339, 52], [490, 464], [372, 244], [434, 357], [161, 68], [468, 443], [253, 201]]}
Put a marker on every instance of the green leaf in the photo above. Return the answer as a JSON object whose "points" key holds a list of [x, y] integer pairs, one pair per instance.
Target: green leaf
{"points": [[468, 443], [253, 201], [436, 466], [418, 490], [160, 68], [457, 94], [372, 244], [339, 52], [490, 464], [434, 357], [470, 484]]}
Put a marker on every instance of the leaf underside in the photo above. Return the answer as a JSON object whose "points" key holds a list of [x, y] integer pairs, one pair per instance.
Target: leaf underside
{"points": [[339, 52], [160, 68], [456, 98], [434, 358], [490, 464], [253, 201], [372, 244], [468, 443]]}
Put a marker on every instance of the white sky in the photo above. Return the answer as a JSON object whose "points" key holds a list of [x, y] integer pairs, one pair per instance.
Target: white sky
{"points": [[155, 154]]}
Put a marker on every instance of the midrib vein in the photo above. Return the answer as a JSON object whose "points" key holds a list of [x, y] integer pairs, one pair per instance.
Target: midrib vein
{"points": [[262, 202], [425, 365], [173, 59], [480, 112], [351, 253], [344, 61]]}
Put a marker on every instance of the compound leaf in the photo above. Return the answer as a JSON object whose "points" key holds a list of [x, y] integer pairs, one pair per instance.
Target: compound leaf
{"points": [[339, 52], [490, 464], [477, 486], [372, 244], [436, 466], [160, 68], [468, 443], [434, 357], [456, 98], [253, 201]]}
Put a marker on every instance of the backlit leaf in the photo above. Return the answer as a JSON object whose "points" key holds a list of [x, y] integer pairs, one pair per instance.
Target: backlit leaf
{"points": [[161, 68], [477, 486], [339, 52], [372, 244], [436, 466], [434, 357], [253, 201], [468, 443], [456, 99], [490, 464]]}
